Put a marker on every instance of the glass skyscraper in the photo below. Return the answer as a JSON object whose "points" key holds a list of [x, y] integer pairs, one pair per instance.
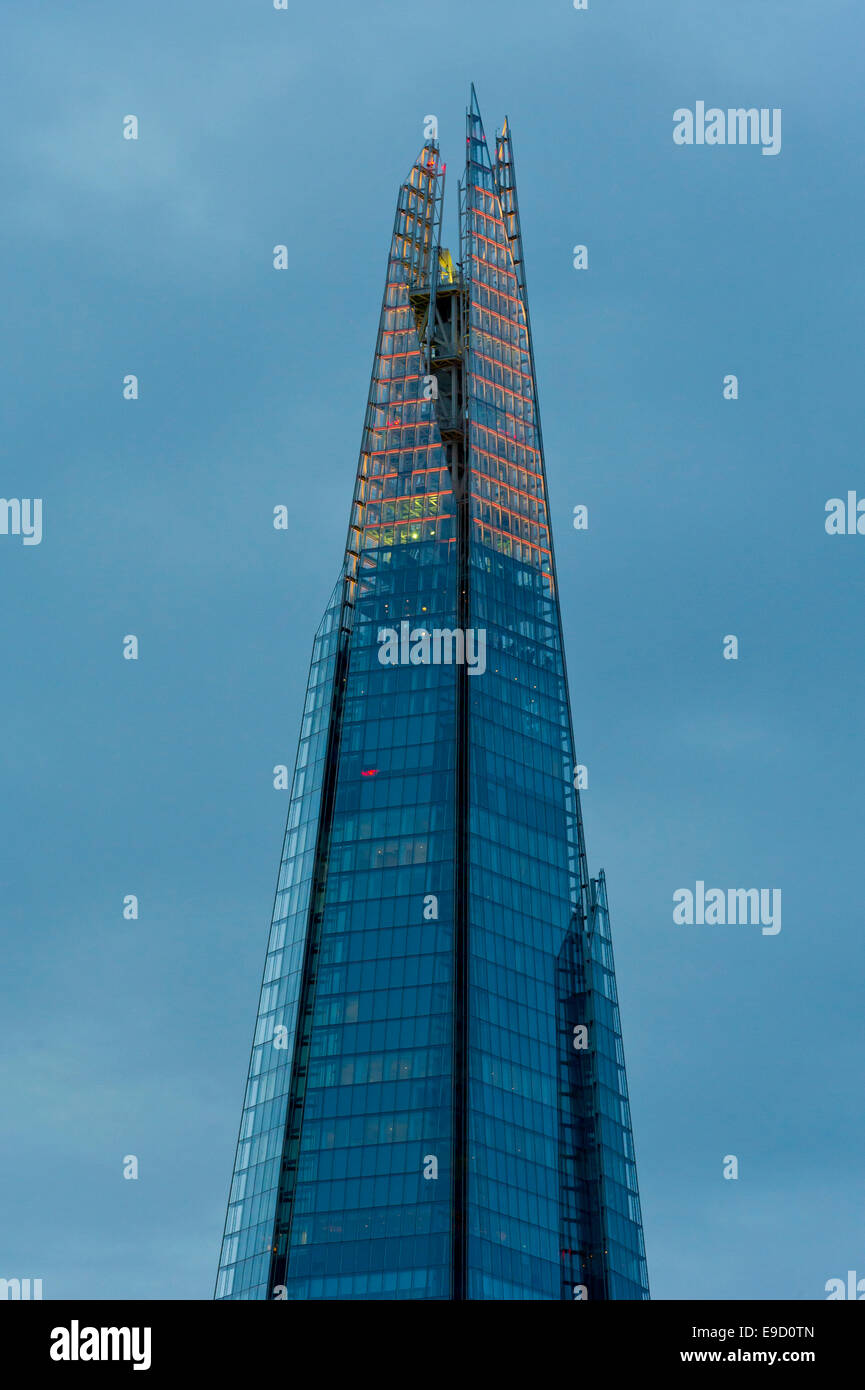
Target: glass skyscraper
{"points": [[436, 1105]]}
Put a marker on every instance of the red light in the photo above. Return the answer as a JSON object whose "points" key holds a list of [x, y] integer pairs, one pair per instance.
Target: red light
{"points": [[369, 772]]}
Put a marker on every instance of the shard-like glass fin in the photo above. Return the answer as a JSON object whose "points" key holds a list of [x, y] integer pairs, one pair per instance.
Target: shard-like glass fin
{"points": [[247, 1245], [528, 882], [523, 856], [365, 1212]]}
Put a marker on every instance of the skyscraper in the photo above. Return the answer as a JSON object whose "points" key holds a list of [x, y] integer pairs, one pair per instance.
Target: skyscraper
{"points": [[436, 1105]]}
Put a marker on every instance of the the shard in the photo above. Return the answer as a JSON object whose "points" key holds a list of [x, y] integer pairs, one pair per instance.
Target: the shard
{"points": [[436, 1105]]}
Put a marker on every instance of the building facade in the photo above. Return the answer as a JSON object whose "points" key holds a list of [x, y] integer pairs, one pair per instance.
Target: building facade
{"points": [[436, 1105]]}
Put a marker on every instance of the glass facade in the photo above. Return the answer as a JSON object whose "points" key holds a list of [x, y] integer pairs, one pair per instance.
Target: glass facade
{"points": [[436, 1105]]}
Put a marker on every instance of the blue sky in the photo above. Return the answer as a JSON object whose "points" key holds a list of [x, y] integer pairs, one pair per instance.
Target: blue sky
{"points": [[706, 517]]}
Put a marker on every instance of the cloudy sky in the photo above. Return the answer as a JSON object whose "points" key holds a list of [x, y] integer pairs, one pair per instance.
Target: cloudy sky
{"points": [[706, 518]]}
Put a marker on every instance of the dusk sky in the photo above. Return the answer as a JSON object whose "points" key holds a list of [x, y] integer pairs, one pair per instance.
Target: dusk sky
{"points": [[154, 777]]}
